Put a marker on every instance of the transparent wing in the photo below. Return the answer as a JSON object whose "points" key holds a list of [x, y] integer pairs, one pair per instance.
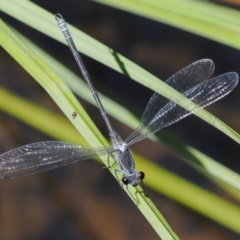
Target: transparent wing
{"points": [[42, 156], [202, 94], [181, 81]]}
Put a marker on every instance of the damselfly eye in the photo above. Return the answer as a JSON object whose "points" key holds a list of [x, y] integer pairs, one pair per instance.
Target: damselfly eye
{"points": [[125, 181], [141, 175]]}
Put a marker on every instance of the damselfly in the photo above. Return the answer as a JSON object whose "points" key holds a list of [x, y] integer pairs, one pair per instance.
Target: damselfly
{"points": [[194, 84]]}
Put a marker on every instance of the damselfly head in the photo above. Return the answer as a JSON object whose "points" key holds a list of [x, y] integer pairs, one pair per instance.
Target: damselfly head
{"points": [[133, 179]]}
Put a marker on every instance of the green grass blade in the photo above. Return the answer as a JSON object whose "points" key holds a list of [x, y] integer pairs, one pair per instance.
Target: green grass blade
{"points": [[47, 78], [221, 175], [67, 102], [206, 19], [39, 117]]}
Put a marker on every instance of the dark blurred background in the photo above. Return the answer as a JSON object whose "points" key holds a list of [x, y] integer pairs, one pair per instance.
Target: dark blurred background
{"points": [[83, 201]]}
